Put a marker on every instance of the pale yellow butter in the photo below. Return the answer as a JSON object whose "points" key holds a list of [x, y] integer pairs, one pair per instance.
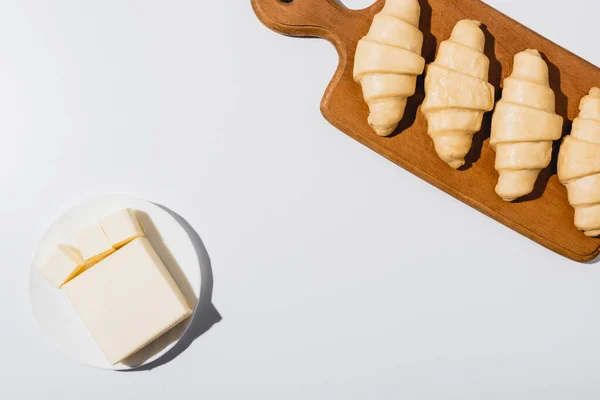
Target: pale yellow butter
{"points": [[127, 300], [65, 263], [121, 227], [93, 244]]}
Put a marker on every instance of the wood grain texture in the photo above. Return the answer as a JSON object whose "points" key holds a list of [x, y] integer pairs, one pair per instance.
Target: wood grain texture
{"points": [[545, 216]]}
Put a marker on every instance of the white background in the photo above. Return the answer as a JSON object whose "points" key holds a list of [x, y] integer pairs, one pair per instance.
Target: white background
{"points": [[336, 273]]}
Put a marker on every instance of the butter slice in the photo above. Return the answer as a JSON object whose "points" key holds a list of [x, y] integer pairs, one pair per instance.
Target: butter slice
{"points": [[93, 244], [127, 300], [64, 264], [121, 227]]}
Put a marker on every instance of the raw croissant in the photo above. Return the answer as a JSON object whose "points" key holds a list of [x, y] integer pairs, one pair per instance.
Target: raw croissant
{"points": [[388, 61], [579, 165], [457, 92], [524, 126]]}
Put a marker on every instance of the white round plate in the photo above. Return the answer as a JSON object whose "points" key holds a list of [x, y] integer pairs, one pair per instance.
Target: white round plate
{"points": [[57, 317]]}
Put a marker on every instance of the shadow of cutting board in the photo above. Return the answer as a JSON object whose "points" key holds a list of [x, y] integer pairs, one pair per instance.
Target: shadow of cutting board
{"points": [[545, 216]]}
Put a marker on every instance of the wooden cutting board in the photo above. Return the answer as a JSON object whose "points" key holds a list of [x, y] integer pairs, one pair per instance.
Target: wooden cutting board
{"points": [[545, 216]]}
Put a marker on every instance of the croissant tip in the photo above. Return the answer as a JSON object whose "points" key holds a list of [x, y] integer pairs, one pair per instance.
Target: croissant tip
{"points": [[508, 197], [594, 91], [595, 233], [473, 21], [533, 52], [457, 163], [383, 132]]}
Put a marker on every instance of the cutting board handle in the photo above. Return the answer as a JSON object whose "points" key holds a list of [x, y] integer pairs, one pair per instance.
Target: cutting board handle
{"points": [[316, 18]]}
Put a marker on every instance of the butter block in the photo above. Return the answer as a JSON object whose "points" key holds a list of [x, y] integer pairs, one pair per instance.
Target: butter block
{"points": [[93, 244], [64, 264], [122, 227], [127, 300]]}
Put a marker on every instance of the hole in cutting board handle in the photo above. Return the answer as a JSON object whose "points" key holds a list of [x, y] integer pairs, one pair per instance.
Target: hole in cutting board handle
{"points": [[286, 1]]}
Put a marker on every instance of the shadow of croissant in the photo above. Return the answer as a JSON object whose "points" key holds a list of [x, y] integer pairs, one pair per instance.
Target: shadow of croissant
{"points": [[428, 52], [205, 314], [495, 78]]}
